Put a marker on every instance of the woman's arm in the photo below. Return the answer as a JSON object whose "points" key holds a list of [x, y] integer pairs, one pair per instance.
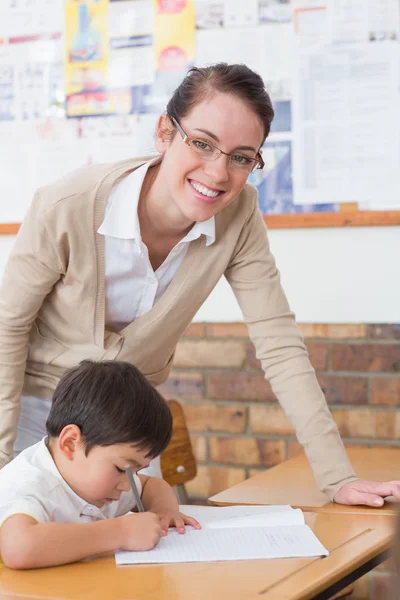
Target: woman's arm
{"points": [[32, 270], [255, 280]]}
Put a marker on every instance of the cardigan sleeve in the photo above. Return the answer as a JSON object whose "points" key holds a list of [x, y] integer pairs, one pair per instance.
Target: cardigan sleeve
{"points": [[31, 271], [280, 347]]}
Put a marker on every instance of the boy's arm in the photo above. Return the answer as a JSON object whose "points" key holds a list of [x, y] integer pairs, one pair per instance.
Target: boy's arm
{"points": [[157, 495], [26, 544]]}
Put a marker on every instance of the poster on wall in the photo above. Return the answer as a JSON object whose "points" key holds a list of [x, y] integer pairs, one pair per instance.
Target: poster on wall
{"points": [[275, 184], [109, 61], [87, 59], [174, 47]]}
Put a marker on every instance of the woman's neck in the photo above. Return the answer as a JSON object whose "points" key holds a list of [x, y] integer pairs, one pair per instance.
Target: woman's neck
{"points": [[158, 215]]}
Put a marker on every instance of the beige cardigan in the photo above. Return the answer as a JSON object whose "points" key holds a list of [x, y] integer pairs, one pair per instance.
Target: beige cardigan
{"points": [[52, 302]]}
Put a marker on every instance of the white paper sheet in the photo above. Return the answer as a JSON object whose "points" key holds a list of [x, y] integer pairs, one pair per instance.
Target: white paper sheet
{"points": [[229, 544], [346, 125], [243, 516], [234, 533], [240, 14]]}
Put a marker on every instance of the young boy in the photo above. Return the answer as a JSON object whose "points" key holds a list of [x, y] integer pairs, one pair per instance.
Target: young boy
{"points": [[67, 497]]}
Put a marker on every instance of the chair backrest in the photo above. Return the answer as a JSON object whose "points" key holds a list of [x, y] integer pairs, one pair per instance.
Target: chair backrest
{"points": [[178, 463]]}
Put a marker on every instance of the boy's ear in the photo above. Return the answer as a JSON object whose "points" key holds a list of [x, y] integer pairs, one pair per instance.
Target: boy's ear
{"points": [[164, 132], [69, 441]]}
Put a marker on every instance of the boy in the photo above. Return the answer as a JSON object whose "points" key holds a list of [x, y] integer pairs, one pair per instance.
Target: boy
{"points": [[67, 497]]}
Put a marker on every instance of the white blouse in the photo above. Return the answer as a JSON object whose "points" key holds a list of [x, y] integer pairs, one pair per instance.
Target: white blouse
{"points": [[132, 286]]}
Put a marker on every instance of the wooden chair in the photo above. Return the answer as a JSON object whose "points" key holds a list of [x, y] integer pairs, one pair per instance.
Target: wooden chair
{"points": [[178, 463]]}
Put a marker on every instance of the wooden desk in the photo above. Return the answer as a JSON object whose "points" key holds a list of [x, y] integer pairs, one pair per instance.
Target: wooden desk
{"points": [[292, 482], [357, 543]]}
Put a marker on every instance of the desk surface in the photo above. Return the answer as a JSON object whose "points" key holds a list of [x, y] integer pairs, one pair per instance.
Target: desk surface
{"points": [[352, 540], [292, 482]]}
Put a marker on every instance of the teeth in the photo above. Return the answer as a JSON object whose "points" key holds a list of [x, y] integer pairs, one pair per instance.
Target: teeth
{"points": [[203, 190]]}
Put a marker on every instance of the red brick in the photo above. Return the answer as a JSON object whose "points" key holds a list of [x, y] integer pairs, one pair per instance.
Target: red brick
{"points": [[386, 390], [200, 447], [239, 386], [231, 330], [294, 448], [366, 357], [270, 419], [356, 423], [384, 331], [318, 354], [333, 331], [195, 330], [183, 385], [210, 354], [247, 451], [212, 480], [386, 424], [211, 417], [344, 390]]}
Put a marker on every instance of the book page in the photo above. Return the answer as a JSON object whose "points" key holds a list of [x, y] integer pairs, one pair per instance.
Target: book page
{"points": [[244, 516], [229, 544]]}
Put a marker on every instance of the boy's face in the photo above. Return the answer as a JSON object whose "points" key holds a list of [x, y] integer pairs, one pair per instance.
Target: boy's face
{"points": [[101, 476]]}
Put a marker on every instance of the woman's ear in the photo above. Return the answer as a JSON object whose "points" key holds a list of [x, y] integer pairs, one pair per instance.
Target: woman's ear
{"points": [[164, 132]]}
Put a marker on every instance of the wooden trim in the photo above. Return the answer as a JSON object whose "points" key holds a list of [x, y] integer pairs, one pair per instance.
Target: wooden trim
{"points": [[343, 218], [9, 228], [339, 219]]}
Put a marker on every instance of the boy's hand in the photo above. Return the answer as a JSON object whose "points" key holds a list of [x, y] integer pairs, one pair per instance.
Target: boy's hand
{"points": [[171, 518], [141, 531]]}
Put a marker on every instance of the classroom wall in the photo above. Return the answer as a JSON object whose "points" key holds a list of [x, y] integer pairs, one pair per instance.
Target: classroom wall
{"points": [[333, 275]]}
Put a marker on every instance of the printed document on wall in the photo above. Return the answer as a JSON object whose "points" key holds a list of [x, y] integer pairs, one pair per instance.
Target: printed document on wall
{"points": [[346, 124]]}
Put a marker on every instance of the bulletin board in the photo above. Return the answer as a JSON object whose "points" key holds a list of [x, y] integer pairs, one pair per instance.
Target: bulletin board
{"points": [[83, 81]]}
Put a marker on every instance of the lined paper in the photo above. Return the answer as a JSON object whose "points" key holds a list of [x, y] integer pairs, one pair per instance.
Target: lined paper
{"points": [[229, 544]]}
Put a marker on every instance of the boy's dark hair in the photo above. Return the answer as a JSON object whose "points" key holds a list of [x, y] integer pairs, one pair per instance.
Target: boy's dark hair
{"points": [[112, 403], [236, 79]]}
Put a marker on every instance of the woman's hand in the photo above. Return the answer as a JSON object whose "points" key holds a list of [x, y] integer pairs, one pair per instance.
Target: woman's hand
{"points": [[370, 493], [172, 518]]}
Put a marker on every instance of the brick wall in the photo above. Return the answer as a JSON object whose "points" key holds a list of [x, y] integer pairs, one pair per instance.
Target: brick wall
{"points": [[237, 426], [236, 423]]}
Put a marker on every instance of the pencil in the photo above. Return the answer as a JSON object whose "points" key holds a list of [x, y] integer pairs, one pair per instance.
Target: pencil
{"points": [[135, 490]]}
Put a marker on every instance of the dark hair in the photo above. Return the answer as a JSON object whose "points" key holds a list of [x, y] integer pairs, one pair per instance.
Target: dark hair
{"points": [[112, 403], [238, 80]]}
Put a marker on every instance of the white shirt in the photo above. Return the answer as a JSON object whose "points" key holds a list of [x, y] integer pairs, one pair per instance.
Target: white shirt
{"points": [[132, 286], [32, 485]]}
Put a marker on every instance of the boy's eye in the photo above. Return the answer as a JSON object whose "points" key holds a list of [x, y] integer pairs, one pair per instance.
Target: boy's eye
{"points": [[120, 470]]}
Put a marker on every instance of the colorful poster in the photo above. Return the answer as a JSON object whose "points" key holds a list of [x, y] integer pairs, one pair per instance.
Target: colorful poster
{"points": [[87, 58], [275, 185], [174, 47]]}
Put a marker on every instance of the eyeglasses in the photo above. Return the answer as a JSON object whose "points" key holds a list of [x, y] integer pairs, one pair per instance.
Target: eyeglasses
{"points": [[208, 151]]}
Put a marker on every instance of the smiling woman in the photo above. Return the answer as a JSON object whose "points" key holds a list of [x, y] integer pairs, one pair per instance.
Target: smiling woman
{"points": [[113, 261]]}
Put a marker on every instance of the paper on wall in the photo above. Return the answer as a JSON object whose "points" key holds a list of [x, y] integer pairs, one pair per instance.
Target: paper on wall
{"points": [[346, 124]]}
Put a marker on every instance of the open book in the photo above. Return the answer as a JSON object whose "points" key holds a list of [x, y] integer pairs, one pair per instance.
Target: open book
{"points": [[233, 533]]}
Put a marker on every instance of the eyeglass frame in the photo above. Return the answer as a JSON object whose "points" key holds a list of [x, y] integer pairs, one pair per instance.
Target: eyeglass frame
{"points": [[258, 160]]}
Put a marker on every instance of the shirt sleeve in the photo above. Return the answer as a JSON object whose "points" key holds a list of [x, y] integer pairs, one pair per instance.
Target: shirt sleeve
{"points": [[280, 347], [27, 505]]}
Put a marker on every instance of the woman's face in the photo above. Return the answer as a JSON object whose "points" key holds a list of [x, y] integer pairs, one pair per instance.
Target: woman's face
{"points": [[229, 124]]}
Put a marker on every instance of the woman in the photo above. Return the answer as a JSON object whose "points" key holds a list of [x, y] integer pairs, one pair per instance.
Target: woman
{"points": [[113, 261]]}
